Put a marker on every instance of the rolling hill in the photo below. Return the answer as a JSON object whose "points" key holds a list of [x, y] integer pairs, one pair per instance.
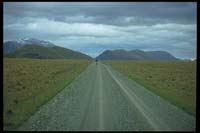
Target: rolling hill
{"points": [[42, 52], [136, 55]]}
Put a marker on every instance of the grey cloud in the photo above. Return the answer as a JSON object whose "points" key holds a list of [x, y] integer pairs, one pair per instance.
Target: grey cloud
{"points": [[92, 27], [113, 13]]}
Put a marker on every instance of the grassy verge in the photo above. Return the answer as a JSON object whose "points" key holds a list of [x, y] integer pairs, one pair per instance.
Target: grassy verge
{"points": [[29, 83], [174, 81]]}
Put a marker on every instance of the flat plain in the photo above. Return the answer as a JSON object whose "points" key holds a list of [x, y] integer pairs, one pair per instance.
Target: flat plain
{"points": [[29, 83], [102, 99], [175, 81], [71, 95]]}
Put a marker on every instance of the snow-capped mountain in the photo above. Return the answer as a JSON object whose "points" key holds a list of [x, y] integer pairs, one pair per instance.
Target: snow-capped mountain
{"points": [[25, 41], [9, 46]]}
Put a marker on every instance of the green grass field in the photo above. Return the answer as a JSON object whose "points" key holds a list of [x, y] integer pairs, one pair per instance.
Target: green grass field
{"points": [[29, 83], [174, 81]]}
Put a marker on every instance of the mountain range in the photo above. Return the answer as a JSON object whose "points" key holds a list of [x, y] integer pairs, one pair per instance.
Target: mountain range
{"points": [[10, 46], [136, 54], [34, 48]]}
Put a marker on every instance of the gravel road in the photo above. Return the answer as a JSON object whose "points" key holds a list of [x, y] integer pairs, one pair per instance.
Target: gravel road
{"points": [[102, 99]]}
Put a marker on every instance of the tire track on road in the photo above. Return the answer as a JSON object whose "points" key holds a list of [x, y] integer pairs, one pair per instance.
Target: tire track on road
{"points": [[89, 100], [101, 114], [154, 122], [154, 110]]}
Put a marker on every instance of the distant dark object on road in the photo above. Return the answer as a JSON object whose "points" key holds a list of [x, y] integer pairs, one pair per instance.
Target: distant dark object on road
{"points": [[96, 61]]}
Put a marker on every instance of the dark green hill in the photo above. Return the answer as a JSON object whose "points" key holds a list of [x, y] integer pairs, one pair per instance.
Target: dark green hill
{"points": [[136, 55], [41, 52]]}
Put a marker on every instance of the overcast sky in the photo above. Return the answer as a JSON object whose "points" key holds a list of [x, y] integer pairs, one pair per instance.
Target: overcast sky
{"points": [[92, 27]]}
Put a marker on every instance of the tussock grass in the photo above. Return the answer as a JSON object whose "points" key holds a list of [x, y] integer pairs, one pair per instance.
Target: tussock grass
{"points": [[29, 83], [174, 81]]}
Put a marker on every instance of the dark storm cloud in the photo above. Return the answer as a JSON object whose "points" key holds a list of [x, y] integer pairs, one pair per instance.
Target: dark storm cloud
{"points": [[106, 13]]}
